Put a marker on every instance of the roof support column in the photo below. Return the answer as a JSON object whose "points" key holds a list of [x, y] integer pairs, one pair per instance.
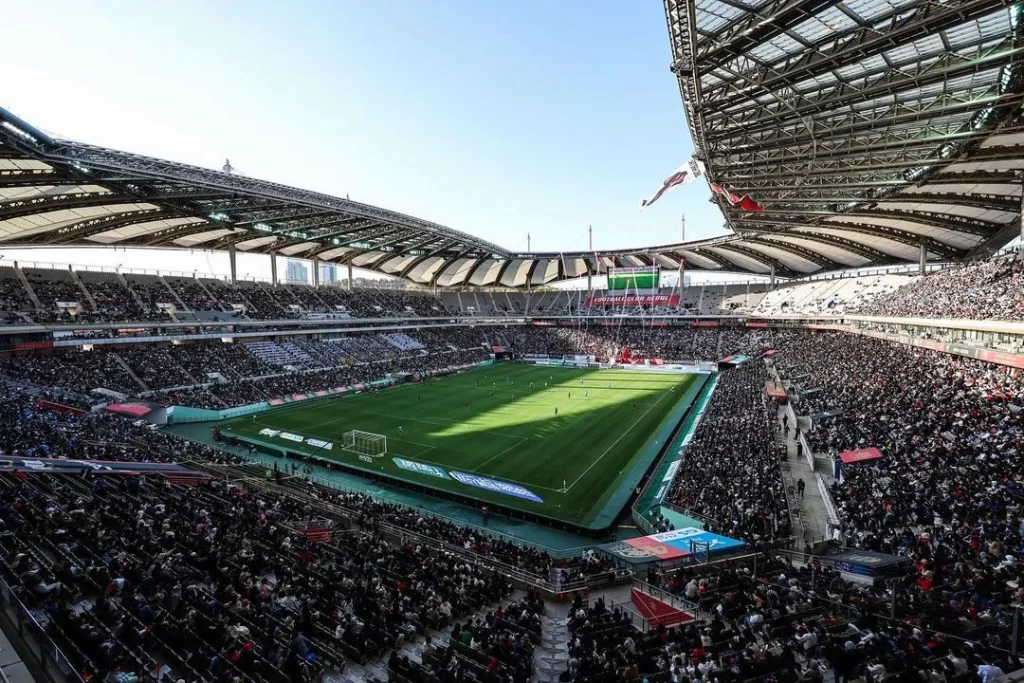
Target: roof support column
{"points": [[273, 269], [682, 275], [922, 256], [773, 276], [350, 275], [232, 262], [316, 272]]}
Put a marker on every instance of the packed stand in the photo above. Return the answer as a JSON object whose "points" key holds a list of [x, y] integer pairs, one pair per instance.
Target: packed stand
{"points": [[986, 290], [730, 476], [673, 343], [782, 623], [213, 581], [945, 492]]}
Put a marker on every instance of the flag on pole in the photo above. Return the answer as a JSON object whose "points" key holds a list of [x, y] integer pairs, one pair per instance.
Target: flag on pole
{"points": [[743, 202], [686, 173]]}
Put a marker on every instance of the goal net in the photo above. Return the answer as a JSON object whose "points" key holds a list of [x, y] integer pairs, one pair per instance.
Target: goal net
{"points": [[365, 443]]}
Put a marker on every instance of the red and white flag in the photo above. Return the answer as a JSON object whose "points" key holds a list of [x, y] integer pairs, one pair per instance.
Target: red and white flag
{"points": [[686, 173], [743, 202]]}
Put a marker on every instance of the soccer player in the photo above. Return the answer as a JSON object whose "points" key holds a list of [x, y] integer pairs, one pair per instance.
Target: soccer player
{"points": [[556, 411], [586, 394], [581, 381], [609, 385], [401, 430], [570, 394]]}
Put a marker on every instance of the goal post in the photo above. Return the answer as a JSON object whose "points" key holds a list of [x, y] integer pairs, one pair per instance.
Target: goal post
{"points": [[365, 443]]}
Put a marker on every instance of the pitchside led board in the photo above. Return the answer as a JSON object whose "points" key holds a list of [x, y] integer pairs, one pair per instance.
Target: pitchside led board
{"points": [[670, 545]]}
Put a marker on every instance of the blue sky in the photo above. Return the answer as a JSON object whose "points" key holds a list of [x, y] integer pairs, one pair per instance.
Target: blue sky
{"points": [[494, 118]]}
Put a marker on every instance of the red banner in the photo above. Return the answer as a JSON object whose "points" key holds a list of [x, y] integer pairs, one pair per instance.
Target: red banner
{"points": [[634, 300], [317, 535], [33, 346], [706, 323], [59, 408], [860, 455], [657, 612], [757, 326]]}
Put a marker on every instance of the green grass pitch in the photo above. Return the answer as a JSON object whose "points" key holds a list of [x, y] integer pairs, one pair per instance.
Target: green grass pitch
{"points": [[498, 423]]}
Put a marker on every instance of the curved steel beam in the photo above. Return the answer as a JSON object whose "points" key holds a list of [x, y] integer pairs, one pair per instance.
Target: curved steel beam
{"points": [[817, 258], [19, 208], [864, 251]]}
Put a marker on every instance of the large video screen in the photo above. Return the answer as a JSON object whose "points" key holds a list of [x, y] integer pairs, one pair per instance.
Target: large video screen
{"points": [[634, 279]]}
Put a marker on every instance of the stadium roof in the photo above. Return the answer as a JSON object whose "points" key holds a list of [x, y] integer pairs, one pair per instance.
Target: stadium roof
{"points": [[862, 126], [61, 193]]}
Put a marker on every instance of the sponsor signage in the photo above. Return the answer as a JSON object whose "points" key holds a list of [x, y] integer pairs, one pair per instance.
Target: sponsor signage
{"points": [[287, 436], [496, 486], [670, 545], [420, 468], [670, 473], [634, 300]]}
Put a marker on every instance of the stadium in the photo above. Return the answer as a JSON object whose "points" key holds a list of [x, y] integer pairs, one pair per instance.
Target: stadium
{"points": [[791, 452]]}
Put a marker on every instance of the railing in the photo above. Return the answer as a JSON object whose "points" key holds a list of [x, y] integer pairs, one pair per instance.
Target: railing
{"points": [[832, 516], [557, 553], [221, 470], [666, 597], [18, 621]]}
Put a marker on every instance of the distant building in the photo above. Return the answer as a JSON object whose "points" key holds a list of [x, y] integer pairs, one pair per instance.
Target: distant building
{"points": [[296, 271], [328, 272]]}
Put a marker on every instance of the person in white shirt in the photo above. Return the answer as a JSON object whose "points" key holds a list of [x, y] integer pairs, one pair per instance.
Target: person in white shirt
{"points": [[989, 672]]}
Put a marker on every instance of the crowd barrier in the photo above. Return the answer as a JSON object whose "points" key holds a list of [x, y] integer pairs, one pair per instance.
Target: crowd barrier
{"points": [[832, 516], [19, 622]]}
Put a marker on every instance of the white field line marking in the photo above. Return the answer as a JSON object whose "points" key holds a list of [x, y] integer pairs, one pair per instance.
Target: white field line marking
{"points": [[621, 437], [495, 457]]}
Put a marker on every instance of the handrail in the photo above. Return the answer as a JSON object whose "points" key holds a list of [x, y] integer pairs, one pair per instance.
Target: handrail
{"points": [[832, 516], [48, 655], [557, 553]]}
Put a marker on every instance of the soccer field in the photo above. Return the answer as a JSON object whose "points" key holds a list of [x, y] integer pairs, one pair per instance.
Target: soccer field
{"points": [[557, 441]]}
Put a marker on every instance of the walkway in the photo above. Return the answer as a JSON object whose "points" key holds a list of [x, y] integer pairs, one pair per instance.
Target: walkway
{"points": [[810, 519]]}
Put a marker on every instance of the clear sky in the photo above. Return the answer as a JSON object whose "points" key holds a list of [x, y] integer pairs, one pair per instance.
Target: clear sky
{"points": [[496, 118]]}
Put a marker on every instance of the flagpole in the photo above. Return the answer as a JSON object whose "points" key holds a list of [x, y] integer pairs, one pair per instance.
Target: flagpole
{"points": [[682, 258], [590, 248]]}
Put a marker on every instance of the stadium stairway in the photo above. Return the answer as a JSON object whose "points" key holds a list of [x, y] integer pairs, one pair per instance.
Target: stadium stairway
{"points": [[28, 288], [85, 291], [808, 511], [377, 669], [131, 373], [551, 657], [135, 295]]}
